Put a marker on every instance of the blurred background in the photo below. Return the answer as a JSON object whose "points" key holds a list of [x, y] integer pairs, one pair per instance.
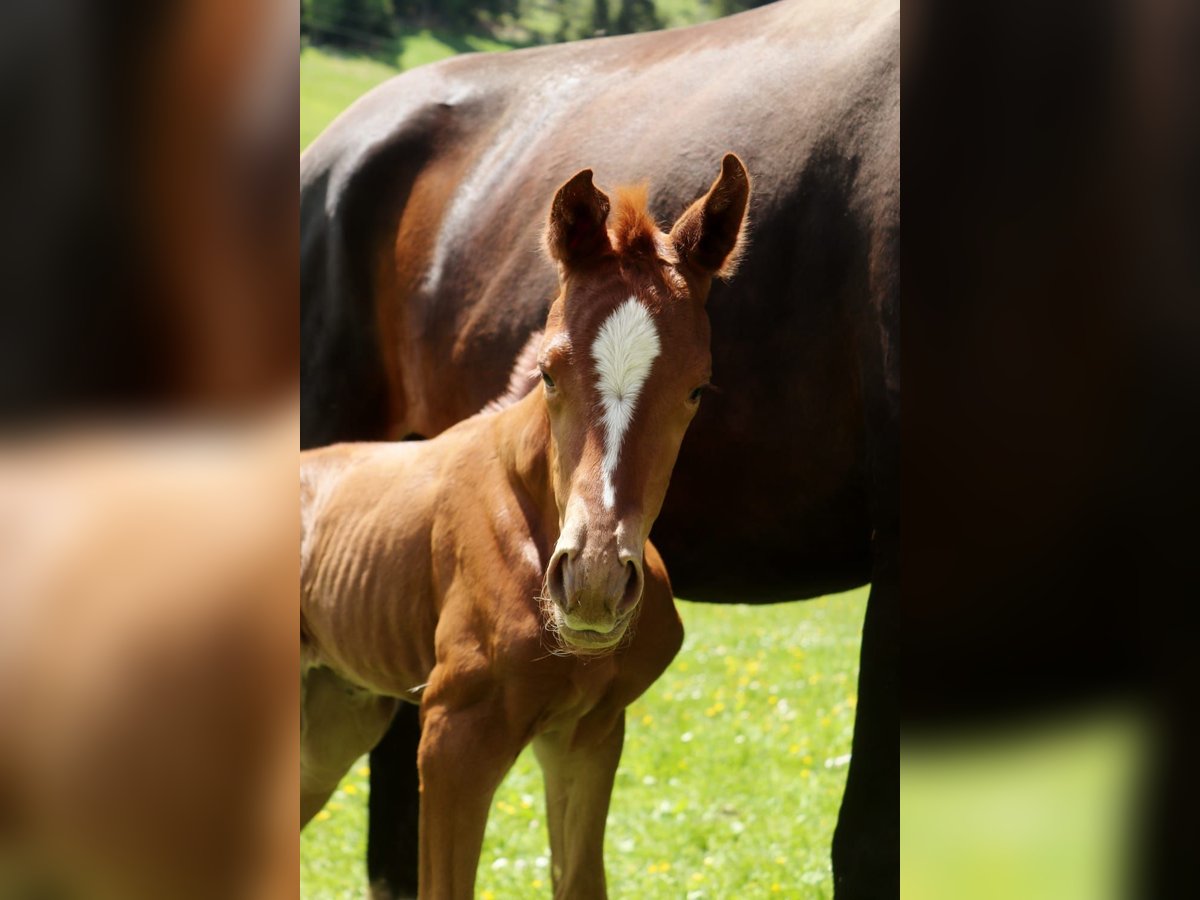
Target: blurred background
{"points": [[148, 441]]}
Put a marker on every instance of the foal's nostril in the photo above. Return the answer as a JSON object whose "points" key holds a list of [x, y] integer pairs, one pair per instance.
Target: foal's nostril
{"points": [[556, 581], [633, 587]]}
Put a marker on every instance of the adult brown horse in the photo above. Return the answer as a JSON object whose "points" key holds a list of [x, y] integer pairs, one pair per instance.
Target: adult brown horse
{"points": [[433, 572], [420, 284]]}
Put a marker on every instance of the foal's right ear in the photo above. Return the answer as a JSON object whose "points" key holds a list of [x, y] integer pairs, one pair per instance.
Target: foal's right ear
{"points": [[710, 235], [577, 228]]}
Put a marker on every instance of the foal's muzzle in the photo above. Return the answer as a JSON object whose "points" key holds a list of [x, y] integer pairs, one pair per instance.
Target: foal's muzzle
{"points": [[594, 594]]}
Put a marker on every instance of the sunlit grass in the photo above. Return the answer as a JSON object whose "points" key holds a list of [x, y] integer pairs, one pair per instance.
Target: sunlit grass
{"points": [[730, 781], [329, 83]]}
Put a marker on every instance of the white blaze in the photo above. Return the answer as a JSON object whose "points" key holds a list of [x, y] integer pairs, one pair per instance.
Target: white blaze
{"points": [[623, 352]]}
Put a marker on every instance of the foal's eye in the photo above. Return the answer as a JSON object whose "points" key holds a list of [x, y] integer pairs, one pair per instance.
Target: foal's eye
{"points": [[547, 381], [694, 396]]}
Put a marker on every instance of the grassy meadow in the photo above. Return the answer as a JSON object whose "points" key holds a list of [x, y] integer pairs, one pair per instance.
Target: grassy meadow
{"points": [[735, 759], [729, 785]]}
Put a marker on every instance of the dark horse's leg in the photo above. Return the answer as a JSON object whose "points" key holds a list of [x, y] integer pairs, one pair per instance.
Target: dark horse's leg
{"points": [[866, 844], [392, 830]]}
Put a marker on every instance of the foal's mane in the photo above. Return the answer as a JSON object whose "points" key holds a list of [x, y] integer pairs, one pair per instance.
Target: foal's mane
{"points": [[633, 230], [522, 378]]}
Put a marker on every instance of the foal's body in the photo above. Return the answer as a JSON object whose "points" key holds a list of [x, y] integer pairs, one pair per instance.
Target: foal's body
{"points": [[495, 573], [409, 580]]}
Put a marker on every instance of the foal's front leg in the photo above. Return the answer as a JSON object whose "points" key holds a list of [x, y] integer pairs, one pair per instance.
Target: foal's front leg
{"points": [[463, 757], [579, 781]]}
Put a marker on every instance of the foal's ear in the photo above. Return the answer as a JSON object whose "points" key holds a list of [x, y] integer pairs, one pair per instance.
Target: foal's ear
{"points": [[577, 230], [709, 235]]}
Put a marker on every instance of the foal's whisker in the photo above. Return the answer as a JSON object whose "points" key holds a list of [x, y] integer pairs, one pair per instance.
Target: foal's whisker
{"points": [[550, 622], [560, 648]]}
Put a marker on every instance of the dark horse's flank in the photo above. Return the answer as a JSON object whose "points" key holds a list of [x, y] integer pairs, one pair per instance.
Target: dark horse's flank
{"points": [[421, 283]]}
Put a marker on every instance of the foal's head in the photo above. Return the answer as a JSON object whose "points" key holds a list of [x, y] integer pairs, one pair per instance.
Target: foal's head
{"points": [[624, 361]]}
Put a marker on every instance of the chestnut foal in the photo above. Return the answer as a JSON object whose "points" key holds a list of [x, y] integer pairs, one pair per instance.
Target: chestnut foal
{"points": [[496, 573]]}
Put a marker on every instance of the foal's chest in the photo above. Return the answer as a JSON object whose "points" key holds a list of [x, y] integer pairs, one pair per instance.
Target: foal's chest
{"points": [[581, 688]]}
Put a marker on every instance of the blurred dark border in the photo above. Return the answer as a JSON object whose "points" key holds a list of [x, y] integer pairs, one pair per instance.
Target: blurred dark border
{"points": [[1051, 270], [1051, 273], [149, 226]]}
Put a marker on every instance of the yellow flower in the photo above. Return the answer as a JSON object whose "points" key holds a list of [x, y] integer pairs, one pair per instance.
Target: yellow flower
{"points": [[805, 773], [781, 860], [647, 719], [350, 789], [487, 895], [697, 876], [536, 883], [323, 815], [775, 888], [364, 771]]}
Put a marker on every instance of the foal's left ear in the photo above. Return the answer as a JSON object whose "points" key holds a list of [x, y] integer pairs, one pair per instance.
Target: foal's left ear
{"points": [[709, 235]]}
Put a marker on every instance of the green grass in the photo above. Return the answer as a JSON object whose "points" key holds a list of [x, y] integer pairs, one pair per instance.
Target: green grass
{"points": [[729, 785], [329, 83]]}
